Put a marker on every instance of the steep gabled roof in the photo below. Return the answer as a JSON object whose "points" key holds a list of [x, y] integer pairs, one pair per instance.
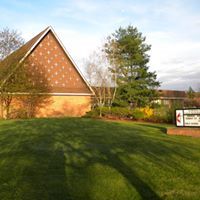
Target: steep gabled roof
{"points": [[14, 59]]}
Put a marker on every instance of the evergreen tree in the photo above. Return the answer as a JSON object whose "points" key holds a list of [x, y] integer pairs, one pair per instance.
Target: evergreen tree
{"points": [[190, 93], [127, 52]]}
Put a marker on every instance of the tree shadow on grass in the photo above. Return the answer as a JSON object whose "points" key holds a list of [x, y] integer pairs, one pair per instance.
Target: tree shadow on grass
{"points": [[144, 190], [158, 127], [30, 167], [39, 159]]}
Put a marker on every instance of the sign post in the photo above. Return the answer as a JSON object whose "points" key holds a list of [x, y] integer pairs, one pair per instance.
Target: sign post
{"points": [[188, 117]]}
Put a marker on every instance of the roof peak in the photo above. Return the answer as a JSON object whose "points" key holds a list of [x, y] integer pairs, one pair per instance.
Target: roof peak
{"points": [[49, 27], [22, 53]]}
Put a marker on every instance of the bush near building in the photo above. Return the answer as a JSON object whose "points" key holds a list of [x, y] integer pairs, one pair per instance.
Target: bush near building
{"points": [[161, 114]]}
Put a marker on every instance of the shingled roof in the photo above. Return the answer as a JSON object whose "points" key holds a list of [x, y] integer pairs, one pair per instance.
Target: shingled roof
{"points": [[10, 63], [172, 94]]}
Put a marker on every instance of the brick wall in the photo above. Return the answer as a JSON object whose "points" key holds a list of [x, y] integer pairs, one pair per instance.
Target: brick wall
{"points": [[66, 106]]}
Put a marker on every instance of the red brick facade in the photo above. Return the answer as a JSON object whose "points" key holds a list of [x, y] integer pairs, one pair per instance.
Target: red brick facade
{"points": [[194, 132], [50, 61]]}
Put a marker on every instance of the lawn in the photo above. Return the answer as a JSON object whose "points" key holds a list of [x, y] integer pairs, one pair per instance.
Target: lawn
{"points": [[74, 158]]}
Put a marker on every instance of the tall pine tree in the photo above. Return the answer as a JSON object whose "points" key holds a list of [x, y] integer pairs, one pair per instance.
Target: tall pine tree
{"points": [[127, 52]]}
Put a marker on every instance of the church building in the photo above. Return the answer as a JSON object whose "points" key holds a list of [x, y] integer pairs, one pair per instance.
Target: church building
{"points": [[45, 56]]}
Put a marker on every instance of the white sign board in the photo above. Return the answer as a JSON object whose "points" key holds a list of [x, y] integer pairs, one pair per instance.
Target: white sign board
{"points": [[188, 117]]}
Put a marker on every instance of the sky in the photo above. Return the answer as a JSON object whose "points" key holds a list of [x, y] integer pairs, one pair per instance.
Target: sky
{"points": [[172, 27]]}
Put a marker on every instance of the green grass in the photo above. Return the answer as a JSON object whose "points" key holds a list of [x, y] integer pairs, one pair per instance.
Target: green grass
{"points": [[74, 158]]}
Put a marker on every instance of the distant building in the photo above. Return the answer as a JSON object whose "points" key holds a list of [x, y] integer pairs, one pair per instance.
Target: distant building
{"points": [[169, 97], [165, 97]]}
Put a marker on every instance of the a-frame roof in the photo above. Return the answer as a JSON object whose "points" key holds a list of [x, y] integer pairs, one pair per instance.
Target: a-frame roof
{"points": [[17, 57]]}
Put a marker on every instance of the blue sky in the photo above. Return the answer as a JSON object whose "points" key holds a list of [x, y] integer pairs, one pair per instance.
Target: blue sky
{"points": [[172, 27]]}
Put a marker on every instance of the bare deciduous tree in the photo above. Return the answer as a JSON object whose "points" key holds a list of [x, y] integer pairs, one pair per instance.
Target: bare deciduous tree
{"points": [[10, 40], [25, 89], [101, 79], [16, 82]]}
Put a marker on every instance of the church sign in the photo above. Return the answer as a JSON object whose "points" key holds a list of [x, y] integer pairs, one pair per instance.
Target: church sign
{"points": [[188, 117]]}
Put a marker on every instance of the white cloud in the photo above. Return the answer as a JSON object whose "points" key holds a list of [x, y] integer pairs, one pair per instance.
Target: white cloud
{"points": [[175, 59], [79, 45], [171, 27]]}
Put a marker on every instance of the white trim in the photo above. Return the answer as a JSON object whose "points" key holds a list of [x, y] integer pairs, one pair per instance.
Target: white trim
{"points": [[71, 59], [63, 47], [71, 94], [35, 44], [52, 94], [25, 56]]}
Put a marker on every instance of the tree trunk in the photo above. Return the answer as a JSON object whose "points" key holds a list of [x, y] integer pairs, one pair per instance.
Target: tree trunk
{"points": [[8, 100], [7, 112], [115, 89], [100, 111], [2, 108]]}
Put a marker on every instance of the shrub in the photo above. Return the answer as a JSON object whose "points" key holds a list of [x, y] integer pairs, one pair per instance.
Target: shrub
{"points": [[138, 114], [94, 113], [162, 114], [148, 112], [117, 112], [120, 112], [19, 114]]}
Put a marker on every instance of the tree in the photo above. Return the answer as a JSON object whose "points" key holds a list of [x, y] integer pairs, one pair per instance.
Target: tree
{"points": [[16, 80], [10, 40], [25, 89], [191, 93], [99, 76], [127, 52], [192, 99]]}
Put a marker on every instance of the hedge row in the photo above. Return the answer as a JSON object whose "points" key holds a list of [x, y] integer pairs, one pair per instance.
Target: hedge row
{"points": [[161, 114]]}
